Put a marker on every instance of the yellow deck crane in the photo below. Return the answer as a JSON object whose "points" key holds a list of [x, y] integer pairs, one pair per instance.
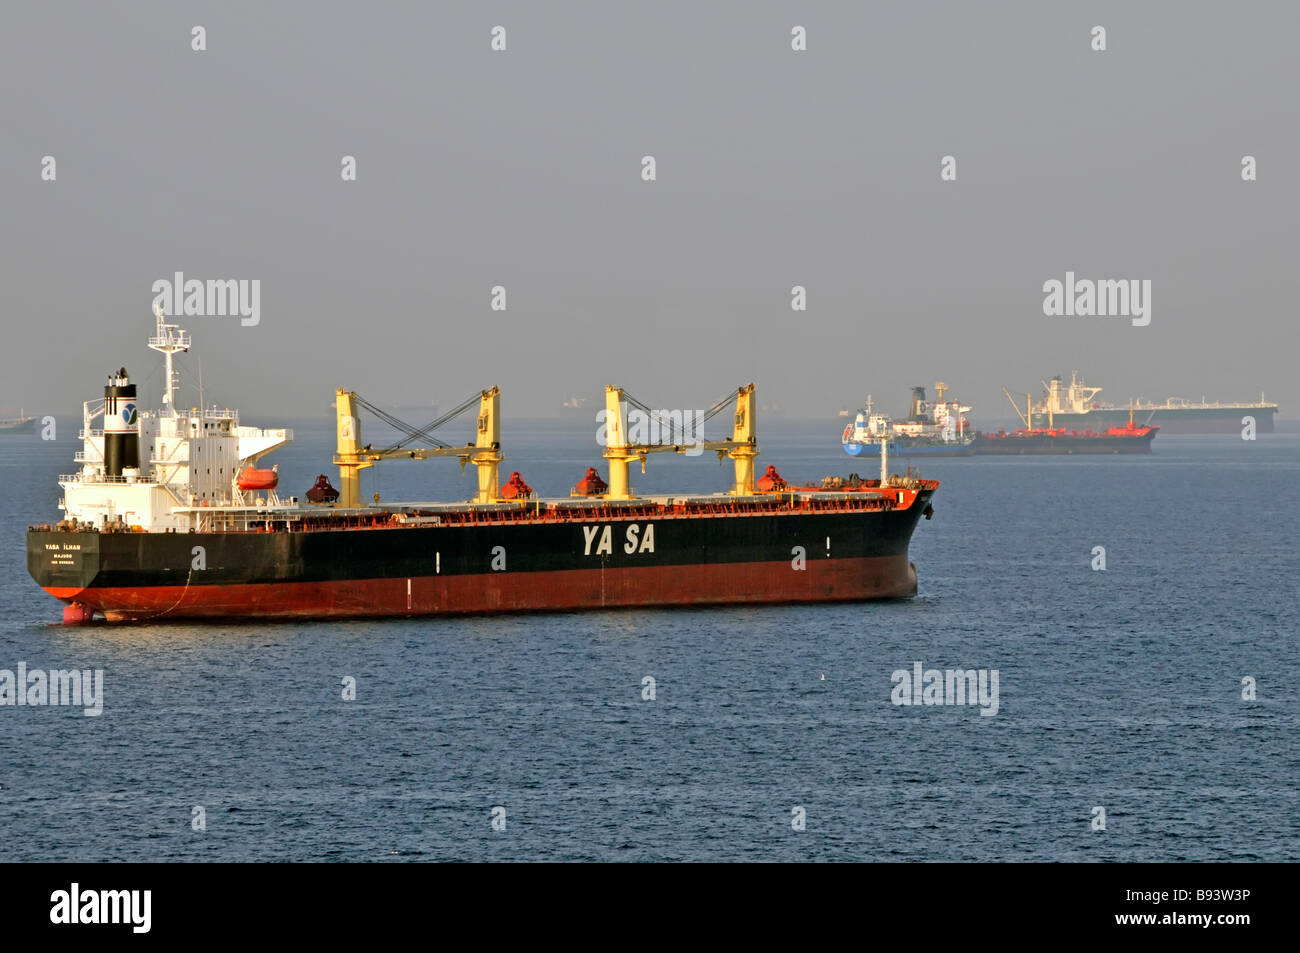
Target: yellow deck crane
{"points": [[352, 457], [742, 447]]}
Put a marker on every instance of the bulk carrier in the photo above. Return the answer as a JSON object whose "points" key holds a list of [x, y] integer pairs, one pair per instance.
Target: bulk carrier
{"points": [[171, 517]]}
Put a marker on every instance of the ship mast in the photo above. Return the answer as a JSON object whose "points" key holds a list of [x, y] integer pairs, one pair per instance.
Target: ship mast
{"points": [[168, 340]]}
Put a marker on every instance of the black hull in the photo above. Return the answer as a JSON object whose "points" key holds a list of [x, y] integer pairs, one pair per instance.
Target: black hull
{"points": [[652, 558]]}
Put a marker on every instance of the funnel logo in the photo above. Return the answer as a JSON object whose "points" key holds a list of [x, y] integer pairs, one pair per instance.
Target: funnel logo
{"points": [[129, 415]]}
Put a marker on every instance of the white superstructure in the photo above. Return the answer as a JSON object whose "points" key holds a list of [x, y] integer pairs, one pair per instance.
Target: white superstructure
{"points": [[190, 460], [1077, 398]]}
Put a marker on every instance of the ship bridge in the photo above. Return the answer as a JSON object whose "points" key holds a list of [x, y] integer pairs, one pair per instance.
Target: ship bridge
{"points": [[149, 470]]}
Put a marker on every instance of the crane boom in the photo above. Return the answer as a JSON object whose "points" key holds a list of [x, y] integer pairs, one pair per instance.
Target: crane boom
{"points": [[352, 457], [1016, 408], [742, 447]]}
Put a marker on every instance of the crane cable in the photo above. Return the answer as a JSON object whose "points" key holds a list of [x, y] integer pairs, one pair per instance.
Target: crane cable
{"points": [[665, 425], [413, 433]]}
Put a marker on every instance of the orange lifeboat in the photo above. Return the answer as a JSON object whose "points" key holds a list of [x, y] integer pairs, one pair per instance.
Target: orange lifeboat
{"points": [[253, 478]]}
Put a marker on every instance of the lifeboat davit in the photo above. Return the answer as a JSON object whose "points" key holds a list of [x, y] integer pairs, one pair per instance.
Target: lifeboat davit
{"points": [[591, 484], [253, 478], [770, 480], [516, 489]]}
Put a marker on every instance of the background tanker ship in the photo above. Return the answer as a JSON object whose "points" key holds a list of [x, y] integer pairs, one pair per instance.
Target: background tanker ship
{"points": [[1059, 440], [20, 424], [171, 517], [941, 429], [1074, 405], [1052, 439], [936, 429]]}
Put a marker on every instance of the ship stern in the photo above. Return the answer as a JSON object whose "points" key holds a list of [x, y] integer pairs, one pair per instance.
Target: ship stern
{"points": [[64, 564]]}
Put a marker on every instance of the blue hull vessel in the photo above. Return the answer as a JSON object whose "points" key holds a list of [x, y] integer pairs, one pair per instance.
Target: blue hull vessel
{"points": [[932, 429], [964, 448]]}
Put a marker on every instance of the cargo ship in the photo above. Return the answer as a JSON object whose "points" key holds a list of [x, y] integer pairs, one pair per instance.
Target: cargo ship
{"points": [[20, 424], [937, 429], [1075, 405], [172, 515], [1058, 440]]}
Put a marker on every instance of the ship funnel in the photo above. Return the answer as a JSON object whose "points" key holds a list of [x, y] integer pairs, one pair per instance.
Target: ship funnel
{"points": [[121, 425], [918, 409]]}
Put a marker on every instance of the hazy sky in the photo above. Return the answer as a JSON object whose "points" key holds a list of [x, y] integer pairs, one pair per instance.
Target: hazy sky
{"points": [[775, 168]]}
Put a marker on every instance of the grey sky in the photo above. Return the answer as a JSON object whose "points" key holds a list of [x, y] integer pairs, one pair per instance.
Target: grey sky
{"points": [[775, 168]]}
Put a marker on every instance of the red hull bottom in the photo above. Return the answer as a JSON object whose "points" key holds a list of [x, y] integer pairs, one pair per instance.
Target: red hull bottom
{"points": [[824, 580]]}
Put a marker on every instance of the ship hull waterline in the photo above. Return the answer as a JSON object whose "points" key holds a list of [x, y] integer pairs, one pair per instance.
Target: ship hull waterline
{"points": [[1069, 444], [837, 580], [913, 450]]}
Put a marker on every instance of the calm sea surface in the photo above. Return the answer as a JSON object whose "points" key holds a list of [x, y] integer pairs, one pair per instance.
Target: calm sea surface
{"points": [[1119, 689]]}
